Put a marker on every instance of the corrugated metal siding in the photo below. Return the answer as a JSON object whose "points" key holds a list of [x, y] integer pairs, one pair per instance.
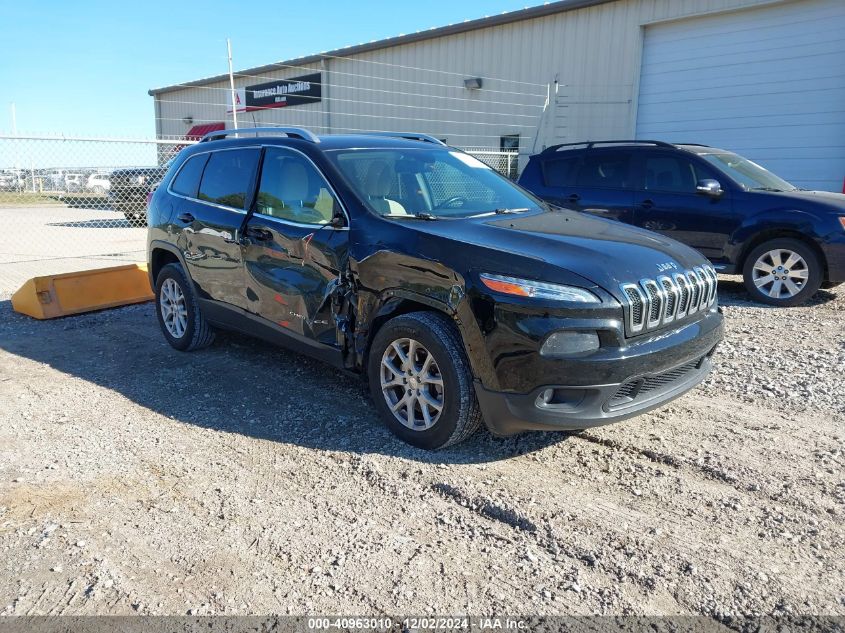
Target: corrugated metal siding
{"points": [[593, 52], [767, 83]]}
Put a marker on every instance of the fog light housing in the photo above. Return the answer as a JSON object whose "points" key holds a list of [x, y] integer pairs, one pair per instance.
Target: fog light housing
{"points": [[567, 344]]}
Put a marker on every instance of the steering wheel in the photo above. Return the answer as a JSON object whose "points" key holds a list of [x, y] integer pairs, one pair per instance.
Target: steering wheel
{"points": [[451, 201]]}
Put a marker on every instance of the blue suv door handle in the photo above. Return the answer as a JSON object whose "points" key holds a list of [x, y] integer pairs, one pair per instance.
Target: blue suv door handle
{"points": [[647, 204]]}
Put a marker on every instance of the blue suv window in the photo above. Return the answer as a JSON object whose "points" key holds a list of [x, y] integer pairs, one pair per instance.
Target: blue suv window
{"points": [[227, 177], [187, 181], [609, 170], [560, 172], [673, 174]]}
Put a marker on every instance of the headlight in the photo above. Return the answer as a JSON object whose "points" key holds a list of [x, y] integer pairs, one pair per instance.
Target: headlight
{"points": [[537, 289]]}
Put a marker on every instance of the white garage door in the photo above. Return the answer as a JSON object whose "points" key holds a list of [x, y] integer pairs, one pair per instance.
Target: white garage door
{"points": [[768, 83]]}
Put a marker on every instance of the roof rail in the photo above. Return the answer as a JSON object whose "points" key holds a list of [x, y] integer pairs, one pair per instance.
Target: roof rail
{"points": [[291, 132], [411, 136], [591, 144], [692, 144]]}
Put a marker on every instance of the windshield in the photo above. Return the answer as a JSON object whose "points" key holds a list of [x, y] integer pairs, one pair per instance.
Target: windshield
{"points": [[429, 183], [748, 174]]}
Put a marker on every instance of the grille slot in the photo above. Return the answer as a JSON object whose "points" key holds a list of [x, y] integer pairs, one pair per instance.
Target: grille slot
{"points": [[636, 305], [695, 292], [655, 300], [671, 293], [653, 303]]}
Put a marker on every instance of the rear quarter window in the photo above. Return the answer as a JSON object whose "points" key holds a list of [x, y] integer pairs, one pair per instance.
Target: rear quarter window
{"points": [[187, 180]]}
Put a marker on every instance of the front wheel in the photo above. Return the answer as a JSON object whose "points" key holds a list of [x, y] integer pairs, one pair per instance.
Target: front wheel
{"points": [[782, 272], [421, 382]]}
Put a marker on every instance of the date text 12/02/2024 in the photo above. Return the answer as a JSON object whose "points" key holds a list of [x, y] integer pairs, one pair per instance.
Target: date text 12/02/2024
{"points": [[417, 623]]}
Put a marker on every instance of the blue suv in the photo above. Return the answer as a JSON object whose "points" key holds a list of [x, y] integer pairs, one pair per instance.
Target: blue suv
{"points": [[785, 241]]}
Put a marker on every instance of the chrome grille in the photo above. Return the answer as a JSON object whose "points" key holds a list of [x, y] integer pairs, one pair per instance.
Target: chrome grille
{"points": [[653, 303]]}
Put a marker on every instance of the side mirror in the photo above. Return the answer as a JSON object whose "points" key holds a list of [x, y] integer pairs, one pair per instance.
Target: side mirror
{"points": [[709, 187]]}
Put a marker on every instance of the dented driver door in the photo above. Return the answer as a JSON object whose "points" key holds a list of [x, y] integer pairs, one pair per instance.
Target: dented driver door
{"points": [[293, 255]]}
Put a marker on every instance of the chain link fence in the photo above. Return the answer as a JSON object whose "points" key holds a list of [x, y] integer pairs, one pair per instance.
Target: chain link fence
{"points": [[75, 203]]}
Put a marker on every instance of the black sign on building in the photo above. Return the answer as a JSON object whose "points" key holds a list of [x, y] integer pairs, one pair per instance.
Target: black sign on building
{"points": [[285, 92]]}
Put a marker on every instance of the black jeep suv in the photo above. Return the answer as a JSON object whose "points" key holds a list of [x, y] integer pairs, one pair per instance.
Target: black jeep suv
{"points": [[458, 294], [786, 242]]}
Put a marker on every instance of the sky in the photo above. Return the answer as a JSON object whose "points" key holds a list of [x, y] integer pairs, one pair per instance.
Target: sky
{"points": [[84, 68]]}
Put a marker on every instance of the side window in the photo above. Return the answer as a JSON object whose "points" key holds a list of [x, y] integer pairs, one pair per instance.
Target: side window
{"points": [[291, 188], [560, 172], [671, 173], [187, 181], [227, 177], [610, 170]]}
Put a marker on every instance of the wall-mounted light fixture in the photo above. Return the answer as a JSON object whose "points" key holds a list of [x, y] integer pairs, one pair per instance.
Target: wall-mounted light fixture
{"points": [[187, 120], [472, 83]]}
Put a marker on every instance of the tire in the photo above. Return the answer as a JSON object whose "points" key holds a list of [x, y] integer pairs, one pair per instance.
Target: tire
{"points": [[830, 285], [99, 190], [435, 334], [797, 282], [196, 333]]}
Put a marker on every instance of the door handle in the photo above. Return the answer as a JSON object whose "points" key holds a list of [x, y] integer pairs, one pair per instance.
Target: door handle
{"points": [[647, 204], [574, 197], [187, 218], [257, 233]]}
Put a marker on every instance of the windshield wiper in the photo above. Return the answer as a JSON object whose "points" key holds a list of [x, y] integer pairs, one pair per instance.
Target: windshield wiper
{"points": [[775, 189], [409, 216], [503, 211]]}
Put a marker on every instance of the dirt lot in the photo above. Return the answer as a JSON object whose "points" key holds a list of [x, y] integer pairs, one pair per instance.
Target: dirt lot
{"points": [[245, 479]]}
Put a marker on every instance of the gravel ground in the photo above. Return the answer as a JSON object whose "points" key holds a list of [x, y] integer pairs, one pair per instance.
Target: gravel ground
{"points": [[246, 479]]}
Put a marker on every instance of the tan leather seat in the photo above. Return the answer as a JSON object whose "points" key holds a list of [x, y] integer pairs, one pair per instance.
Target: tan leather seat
{"points": [[378, 184]]}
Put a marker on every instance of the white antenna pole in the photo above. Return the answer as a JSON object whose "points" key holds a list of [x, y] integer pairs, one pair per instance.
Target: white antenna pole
{"points": [[232, 86]]}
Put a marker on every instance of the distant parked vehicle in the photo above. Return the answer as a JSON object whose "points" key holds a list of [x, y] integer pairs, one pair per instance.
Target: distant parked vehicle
{"points": [[73, 182], [786, 242], [98, 183], [55, 179], [11, 181], [129, 189]]}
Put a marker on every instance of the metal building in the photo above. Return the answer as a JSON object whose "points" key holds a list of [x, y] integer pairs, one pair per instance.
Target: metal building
{"points": [[764, 78]]}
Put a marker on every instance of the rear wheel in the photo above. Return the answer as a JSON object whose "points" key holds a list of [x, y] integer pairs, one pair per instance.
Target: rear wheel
{"points": [[782, 272], [179, 316], [421, 381]]}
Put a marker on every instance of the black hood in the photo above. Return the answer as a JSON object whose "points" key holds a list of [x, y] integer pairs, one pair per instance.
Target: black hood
{"points": [[605, 252]]}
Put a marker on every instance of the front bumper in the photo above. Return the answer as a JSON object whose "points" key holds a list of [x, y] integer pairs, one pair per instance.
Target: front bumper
{"points": [[659, 370], [834, 252]]}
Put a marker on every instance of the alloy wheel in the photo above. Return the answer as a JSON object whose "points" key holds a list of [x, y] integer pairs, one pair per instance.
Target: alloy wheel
{"points": [[174, 311], [780, 273], [412, 384]]}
